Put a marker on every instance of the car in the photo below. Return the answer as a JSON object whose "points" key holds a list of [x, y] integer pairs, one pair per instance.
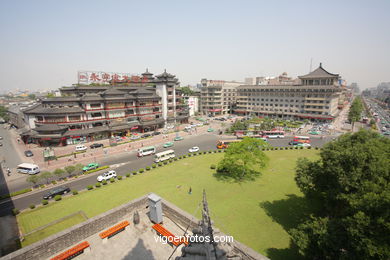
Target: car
{"points": [[106, 176], [303, 145], [28, 153], [56, 191], [314, 133], [193, 125], [118, 138], [135, 137], [199, 124], [194, 149], [178, 138], [90, 166], [210, 130], [145, 135], [96, 145], [1, 144], [294, 143], [168, 144], [1, 138], [80, 148], [187, 128], [156, 133]]}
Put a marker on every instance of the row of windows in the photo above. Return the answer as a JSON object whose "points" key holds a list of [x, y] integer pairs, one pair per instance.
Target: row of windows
{"points": [[284, 100], [285, 90], [285, 105], [295, 111]]}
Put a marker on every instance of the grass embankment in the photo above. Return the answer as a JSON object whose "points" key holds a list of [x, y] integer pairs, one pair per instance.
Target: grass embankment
{"points": [[256, 213]]}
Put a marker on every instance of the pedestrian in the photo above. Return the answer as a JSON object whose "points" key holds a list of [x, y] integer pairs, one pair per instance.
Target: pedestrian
{"points": [[142, 144], [190, 191]]}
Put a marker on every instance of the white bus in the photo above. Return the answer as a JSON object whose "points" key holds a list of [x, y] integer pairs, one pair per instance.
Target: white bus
{"points": [[146, 151], [159, 157], [28, 168]]}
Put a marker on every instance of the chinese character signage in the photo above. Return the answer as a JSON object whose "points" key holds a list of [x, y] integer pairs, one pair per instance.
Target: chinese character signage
{"points": [[99, 77]]}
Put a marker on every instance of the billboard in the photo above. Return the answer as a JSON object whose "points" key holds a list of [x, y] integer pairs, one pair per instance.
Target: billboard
{"points": [[100, 77]]}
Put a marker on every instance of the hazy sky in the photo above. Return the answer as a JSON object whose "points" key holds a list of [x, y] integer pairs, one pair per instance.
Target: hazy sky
{"points": [[44, 43]]}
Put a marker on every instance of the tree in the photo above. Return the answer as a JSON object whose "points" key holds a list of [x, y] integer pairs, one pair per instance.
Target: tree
{"points": [[34, 179], [47, 176], [59, 172], [32, 96], [187, 91], [50, 95], [70, 169], [355, 111], [351, 182], [243, 160], [78, 168]]}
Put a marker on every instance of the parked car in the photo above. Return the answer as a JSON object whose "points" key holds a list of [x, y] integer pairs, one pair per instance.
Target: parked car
{"points": [[118, 138], [96, 145], [303, 145], [1, 138], [199, 124], [187, 128], [135, 137], [28, 153], [168, 144], [145, 135], [293, 143], [56, 191], [178, 138], [194, 149], [90, 166], [106, 176], [210, 130], [1, 144], [80, 148], [156, 133]]}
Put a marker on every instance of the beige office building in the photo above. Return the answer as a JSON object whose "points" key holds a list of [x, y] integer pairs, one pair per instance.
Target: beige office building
{"points": [[218, 97], [313, 96]]}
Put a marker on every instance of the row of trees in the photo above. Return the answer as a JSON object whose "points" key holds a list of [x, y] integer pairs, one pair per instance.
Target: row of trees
{"points": [[3, 113], [355, 112], [47, 176], [351, 183]]}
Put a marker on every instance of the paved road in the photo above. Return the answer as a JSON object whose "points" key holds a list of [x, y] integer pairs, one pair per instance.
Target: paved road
{"points": [[127, 162]]}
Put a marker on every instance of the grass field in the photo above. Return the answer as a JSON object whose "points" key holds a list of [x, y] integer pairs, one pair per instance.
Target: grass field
{"points": [[257, 213], [51, 229]]}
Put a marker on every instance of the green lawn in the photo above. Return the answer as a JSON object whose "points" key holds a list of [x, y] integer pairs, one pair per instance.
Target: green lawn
{"points": [[255, 213]]}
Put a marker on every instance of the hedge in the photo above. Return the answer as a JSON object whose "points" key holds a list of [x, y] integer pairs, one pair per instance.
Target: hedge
{"points": [[97, 185], [128, 175], [75, 192], [15, 211], [160, 164], [45, 202], [70, 154], [141, 170], [104, 182], [154, 165], [89, 187], [212, 166], [57, 197], [134, 172], [16, 193], [119, 177], [147, 168], [97, 169], [32, 206], [112, 180]]}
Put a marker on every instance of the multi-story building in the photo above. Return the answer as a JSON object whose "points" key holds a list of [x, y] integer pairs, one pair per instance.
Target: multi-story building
{"points": [[93, 112], [218, 97], [314, 96]]}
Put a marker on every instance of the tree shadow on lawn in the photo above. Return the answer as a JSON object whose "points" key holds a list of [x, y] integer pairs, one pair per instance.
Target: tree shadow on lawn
{"points": [[226, 176], [289, 213]]}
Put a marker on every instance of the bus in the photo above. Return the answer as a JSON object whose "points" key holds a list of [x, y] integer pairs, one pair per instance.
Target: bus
{"points": [[273, 134], [146, 151], [159, 157], [302, 139], [28, 168], [223, 144]]}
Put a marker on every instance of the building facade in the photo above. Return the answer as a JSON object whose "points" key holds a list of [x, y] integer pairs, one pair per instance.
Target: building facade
{"points": [[93, 112], [314, 96], [218, 97]]}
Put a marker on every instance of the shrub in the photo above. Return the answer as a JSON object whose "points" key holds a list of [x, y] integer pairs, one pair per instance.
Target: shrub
{"points": [[214, 151], [65, 179], [189, 154], [119, 177], [316, 148], [32, 206], [112, 180], [165, 162], [141, 170], [212, 166], [147, 168], [180, 157], [184, 156], [42, 186], [175, 159], [220, 151], [170, 160], [134, 172], [15, 211], [296, 148], [301, 147], [286, 148], [54, 182], [45, 202], [57, 197], [276, 148], [97, 185], [104, 182], [75, 192], [160, 164], [309, 147], [210, 151], [154, 165], [89, 187], [291, 147], [128, 175]]}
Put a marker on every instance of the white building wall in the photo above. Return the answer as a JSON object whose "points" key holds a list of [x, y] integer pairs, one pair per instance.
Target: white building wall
{"points": [[161, 90]]}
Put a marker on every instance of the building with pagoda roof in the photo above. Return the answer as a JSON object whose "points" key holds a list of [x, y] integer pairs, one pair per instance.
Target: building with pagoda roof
{"points": [[314, 96], [94, 112]]}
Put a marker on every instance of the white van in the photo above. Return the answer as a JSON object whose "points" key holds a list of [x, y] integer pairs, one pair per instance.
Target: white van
{"points": [[81, 147], [28, 168]]}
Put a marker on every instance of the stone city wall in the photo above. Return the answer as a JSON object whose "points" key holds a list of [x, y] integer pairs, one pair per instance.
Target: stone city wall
{"points": [[64, 239]]}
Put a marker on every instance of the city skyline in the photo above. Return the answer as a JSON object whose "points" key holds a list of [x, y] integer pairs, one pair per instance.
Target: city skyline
{"points": [[45, 44]]}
